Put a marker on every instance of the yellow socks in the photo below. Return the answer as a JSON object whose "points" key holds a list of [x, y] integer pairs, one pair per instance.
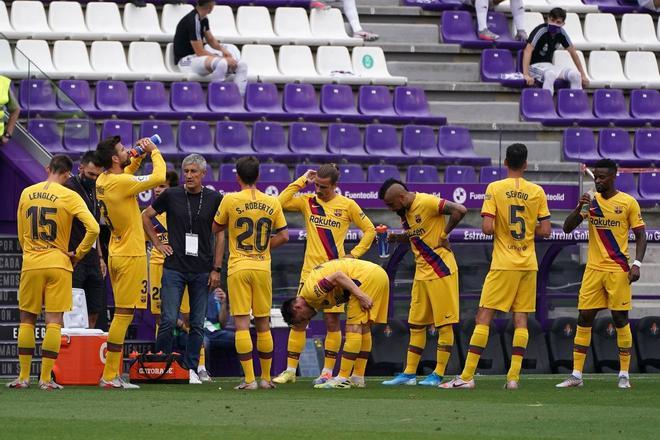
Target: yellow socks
{"points": [[415, 348], [624, 341], [580, 347], [116, 335], [265, 350], [332, 345], [365, 349], [520, 338], [244, 350], [295, 346], [351, 350], [478, 342], [445, 343], [50, 347], [202, 358], [26, 343]]}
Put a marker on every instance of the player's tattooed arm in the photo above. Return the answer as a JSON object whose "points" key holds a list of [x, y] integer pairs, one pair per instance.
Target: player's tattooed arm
{"points": [[345, 282], [455, 212], [575, 217]]}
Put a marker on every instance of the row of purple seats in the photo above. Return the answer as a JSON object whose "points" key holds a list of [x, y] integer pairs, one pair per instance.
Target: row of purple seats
{"points": [[579, 145], [262, 100], [268, 140], [609, 107], [617, 6], [646, 191], [234, 3], [460, 27], [437, 5]]}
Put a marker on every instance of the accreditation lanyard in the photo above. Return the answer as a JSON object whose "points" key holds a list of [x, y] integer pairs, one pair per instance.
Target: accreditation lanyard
{"points": [[192, 240]]}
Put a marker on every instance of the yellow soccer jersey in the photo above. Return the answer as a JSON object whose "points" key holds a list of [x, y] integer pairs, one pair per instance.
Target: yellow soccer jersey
{"points": [[326, 224], [117, 196], [159, 223], [251, 217], [609, 223], [516, 205], [424, 223], [319, 294], [45, 214]]}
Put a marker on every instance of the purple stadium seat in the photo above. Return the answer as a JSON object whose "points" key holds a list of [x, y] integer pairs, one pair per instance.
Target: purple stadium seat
{"points": [[232, 139], [148, 168], [645, 105], [302, 168], [460, 174], [498, 23], [274, 172], [436, 5], [188, 100], [411, 101], [118, 127], [262, 99], [626, 182], [381, 140], [376, 101], [75, 95], [351, 173], [459, 27], [268, 141], [151, 97], [37, 96], [166, 133], [455, 145], [196, 137], [649, 186], [609, 104], [580, 146], [491, 174], [418, 141], [227, 172], [647, 145], [113, 97], [498, 62], [573, 106], [422, 174], [337, 101], [537, 105], [47, 133], [306, 140], [300, 101], [225, 99], [611, 6], [80, 135], [614, 143], [380, 173], [345, 140]]}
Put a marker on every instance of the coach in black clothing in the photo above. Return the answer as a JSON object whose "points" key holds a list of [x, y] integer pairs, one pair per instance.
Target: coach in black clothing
{"points": [[189, 257], [88, 274]]}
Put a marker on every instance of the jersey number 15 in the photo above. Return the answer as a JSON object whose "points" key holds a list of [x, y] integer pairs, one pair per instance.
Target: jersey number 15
{"points": [[43, 228]]}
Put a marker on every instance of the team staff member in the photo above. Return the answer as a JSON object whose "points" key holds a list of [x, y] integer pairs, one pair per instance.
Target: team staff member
{"points": [[327, 218], [45, 214], [117, 189], [89, 273]]}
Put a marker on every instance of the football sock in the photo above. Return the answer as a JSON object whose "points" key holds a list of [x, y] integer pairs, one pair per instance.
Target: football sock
{"points": [[202, 359], [415, 347], [26, 343], [50, 347], [518, 13], [445, 343], [116, 336], [478, 342], [265, 350], [332, 345], [361, 362], [624, 341], [351, 350], [520, 338], [295, 347], [481, 7], [244, 351], [580, 348], [157, 326]]}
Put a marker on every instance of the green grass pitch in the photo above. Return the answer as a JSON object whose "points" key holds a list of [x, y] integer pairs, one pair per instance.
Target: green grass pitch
{"points": [[536, 411]]}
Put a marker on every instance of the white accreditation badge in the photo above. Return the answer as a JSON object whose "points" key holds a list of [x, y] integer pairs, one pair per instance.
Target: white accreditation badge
{"points": [[192, 244]]}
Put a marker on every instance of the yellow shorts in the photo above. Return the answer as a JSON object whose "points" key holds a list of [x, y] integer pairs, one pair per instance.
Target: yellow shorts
{"points": [[341, 308], [50, 287], [250, 290], [605, 290], [509, 291], [155, 282], [434, 301], [377, 287], [128, 276]]}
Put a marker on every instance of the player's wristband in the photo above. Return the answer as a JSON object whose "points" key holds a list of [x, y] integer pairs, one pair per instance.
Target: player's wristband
{"points": [[637, 263], [218, 269]]}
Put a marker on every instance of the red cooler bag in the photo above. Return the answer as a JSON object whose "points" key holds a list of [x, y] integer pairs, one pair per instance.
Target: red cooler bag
{"points": [[158, 368]]}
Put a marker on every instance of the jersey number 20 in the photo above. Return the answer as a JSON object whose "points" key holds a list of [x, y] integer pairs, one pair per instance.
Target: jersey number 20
{"points": [[256, 235]]}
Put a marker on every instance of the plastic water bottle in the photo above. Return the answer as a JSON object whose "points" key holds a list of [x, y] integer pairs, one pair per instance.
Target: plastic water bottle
{"points": [[139, 151], [585, 207], [381, 239]]}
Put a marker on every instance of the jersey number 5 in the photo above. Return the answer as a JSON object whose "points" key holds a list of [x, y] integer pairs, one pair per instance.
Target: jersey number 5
{"points": [[258, 233], [39, 219], [515, 219]]}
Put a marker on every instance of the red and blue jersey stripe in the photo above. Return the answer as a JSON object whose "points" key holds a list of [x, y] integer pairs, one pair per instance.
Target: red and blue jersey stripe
{"points": [[158, 226], [434, 260], [325, 235], [612, 247]]}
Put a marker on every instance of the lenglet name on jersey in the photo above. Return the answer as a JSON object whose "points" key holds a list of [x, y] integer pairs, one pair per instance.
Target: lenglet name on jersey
{"points": [[516, 195], [324, 221], [600, 222], [256, 205], [43, 196]]}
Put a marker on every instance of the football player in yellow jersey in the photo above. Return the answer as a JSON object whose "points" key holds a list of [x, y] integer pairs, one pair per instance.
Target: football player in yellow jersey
{"points": [[435, 287], [45, 214], [365, 288], [117, 190], [514, 212], [328, 216], [608, 275], [250, 218]]}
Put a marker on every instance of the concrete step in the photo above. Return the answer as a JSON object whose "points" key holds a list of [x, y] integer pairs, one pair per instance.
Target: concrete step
{"points": [[424, 71], [482, 112], [367, 3], [404, 33]]}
